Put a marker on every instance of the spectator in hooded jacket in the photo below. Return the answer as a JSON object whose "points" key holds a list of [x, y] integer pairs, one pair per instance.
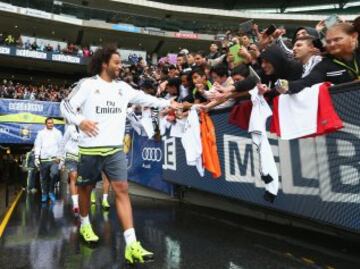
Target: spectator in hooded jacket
{"points": [[275, 65]]}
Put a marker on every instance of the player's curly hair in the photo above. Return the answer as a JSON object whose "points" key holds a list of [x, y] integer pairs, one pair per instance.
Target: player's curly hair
{"points": [[101, 55]]}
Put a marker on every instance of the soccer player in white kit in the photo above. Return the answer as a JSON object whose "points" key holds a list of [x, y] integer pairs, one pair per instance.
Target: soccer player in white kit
{"points": [[70, 148], [98, 106]]}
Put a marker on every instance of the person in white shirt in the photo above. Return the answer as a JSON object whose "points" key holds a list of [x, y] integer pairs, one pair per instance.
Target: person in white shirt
{"points": [[102, 102], [70, 148], [48, 158]]}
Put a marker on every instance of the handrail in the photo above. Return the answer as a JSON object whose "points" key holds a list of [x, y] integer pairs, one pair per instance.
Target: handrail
{"points": [[344, 87]]}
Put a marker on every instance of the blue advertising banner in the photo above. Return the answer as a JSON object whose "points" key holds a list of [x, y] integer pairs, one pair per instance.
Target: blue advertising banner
{"points": [[126, 28], [13, 106], [21, 133], [41, 55], [319, 176], [20, 120], [145, 157]]}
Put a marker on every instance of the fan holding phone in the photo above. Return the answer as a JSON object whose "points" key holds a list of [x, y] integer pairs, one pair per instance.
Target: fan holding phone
{"points": [[266, 38], [270, 30]]}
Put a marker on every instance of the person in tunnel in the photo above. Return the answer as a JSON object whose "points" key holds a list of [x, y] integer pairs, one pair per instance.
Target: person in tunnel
{"points": [[48, 158]]}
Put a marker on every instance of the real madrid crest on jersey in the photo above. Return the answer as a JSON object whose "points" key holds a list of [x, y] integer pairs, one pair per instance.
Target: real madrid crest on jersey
{"points": [[97, 91]]}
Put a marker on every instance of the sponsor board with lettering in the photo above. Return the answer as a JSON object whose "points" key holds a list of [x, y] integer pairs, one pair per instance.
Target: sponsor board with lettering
{"points": [[66, 58], [31, 54], [20, 133], [145, 161], [186, 35], [12, 106], [4, 50]]}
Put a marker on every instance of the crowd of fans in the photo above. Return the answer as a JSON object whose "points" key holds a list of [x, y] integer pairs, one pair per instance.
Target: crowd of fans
{"points": [[50, 92], [34, 44], [234, 65]]}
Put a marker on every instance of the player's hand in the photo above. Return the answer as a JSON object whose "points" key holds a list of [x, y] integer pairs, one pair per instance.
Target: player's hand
{"points": [[37, 163], [175, 105], [89, 127]]}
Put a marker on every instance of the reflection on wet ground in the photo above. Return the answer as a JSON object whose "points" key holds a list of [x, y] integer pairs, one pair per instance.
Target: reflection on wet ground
{"points": [[182, 237]]}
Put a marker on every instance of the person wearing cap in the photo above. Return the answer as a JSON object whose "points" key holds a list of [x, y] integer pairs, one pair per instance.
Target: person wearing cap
{"points": [[312, 32], [305, 31]]}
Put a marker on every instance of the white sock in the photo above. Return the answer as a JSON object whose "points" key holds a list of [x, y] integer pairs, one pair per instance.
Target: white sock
{"points": [[129, 236], [84, 220], [75, 200], [105, 196]]}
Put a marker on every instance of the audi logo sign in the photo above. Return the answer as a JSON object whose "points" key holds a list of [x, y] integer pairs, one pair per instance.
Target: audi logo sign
{"points": [[151, 154]]}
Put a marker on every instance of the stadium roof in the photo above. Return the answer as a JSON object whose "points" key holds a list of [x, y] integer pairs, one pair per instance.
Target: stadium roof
{"points": [[280, 6], [180, 16]]}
